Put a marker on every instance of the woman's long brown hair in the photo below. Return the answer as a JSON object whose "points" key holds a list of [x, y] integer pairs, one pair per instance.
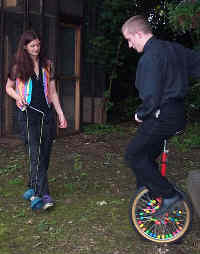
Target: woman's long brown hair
{"points": [[23, 62]]}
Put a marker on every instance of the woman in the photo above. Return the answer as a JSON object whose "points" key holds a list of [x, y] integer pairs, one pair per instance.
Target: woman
{"points": [[31, 82]]}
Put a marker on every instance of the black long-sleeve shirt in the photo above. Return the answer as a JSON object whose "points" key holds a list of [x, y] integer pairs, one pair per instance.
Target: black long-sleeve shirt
{"points": [[163, 74]]}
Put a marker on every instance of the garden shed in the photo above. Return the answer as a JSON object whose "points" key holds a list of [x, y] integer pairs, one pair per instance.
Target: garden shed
{"points": [[61, 25]]}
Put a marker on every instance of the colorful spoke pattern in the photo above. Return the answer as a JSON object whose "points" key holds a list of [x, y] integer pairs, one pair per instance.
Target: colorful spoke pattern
{"points": [[164, 227]]}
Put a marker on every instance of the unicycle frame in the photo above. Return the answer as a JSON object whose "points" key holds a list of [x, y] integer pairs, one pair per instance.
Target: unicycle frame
{"points": [[164, 157]]}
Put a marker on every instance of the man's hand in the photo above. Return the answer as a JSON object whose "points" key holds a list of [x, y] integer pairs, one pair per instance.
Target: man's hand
{"points": [[137, 119]]}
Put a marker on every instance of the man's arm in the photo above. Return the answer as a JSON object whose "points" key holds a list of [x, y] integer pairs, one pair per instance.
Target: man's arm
{"points": [[150, 85]]}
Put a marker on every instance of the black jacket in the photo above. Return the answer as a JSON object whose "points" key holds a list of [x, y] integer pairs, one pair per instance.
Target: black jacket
{"points": [[163, 74]]}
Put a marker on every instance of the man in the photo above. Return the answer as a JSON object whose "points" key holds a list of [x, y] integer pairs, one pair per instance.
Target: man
{"points": [[162, 80]]}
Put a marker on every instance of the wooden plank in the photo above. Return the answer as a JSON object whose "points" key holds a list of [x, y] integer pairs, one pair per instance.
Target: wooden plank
{"points": [[77, 71], [8, 102], [42, 8], [76, 76], [26, 14], [2, 34]]}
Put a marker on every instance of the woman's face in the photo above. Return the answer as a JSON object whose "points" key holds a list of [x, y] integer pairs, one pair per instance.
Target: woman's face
{"points": [[33, 48]]}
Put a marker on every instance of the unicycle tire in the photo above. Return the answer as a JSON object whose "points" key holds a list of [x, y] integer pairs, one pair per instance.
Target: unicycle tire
{"points": [[168, 228]]}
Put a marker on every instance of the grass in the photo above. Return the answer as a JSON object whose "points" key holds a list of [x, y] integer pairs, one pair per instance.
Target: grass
{"points": [[98, 129], [92, 188], [190, 139]]}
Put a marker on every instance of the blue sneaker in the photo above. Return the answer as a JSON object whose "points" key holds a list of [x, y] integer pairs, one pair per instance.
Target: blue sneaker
{"points": [[28, 194], [36, 203], [47, 202]]}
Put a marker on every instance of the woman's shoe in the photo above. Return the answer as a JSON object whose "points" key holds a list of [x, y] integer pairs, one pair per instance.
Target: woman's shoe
{"points": [[36, 203], [28, 194], [47, 202]]}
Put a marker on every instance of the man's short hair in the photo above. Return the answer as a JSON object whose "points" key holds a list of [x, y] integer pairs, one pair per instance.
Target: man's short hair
{"points": [[136, 24]]}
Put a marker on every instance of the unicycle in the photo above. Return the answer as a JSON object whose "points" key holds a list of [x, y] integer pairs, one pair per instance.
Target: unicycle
{"points": [[167, 228]]}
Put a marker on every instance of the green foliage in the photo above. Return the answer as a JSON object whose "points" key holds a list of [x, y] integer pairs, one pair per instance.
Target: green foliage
{"points": [[108, 159], [100, 129], [193, 97], [127, 107], [107, 43], [106, 40], [77, 162], [190, 139], [70, 187], [9, 169], [185, 17], [16, 181], [108, 102]]}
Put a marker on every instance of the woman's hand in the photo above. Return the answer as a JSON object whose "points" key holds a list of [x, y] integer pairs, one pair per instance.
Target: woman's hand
{"points": [[20, 102], [56, 103], [62, 121]]}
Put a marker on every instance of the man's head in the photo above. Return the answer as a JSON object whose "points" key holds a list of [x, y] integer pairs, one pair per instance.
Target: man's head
{"points": [[137, 31]]}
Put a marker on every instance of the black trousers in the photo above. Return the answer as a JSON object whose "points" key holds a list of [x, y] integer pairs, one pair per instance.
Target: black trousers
{"points": [[38, 141], [147, 144]]}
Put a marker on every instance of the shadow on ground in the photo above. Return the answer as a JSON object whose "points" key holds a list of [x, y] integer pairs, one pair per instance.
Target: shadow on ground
{"points": [[92, 188]]}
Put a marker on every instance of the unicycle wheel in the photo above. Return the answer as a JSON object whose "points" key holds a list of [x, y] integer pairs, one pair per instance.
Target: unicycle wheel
{"points": [[167, 228]]}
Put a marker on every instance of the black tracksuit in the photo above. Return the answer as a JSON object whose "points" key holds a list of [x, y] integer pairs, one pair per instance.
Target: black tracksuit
{"points": [[30, 124], [162, 80]]}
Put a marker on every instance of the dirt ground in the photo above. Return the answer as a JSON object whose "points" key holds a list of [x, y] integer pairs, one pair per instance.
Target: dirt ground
{"points": [[92, 188]]}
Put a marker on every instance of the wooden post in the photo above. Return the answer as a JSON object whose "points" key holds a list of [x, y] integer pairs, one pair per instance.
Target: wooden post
{"points": [[42, 8], [8, 101], [26, 15], [77, 73], [92, 11]]}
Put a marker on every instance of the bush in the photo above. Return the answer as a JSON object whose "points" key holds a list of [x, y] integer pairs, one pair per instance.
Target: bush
{"points": [[190, 139], [193, 97], [185, 17], [127, 107]]}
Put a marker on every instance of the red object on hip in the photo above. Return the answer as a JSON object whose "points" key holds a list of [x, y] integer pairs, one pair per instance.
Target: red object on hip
{"points": [[164, 164]]}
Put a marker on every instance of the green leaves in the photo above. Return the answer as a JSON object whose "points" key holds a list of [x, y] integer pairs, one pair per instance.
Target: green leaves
{"points": [[190, 139], [185, 16], [105, 40]]}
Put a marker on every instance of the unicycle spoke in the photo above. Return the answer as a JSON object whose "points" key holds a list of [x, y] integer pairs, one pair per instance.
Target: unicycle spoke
{"points": [[166, 228]]}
